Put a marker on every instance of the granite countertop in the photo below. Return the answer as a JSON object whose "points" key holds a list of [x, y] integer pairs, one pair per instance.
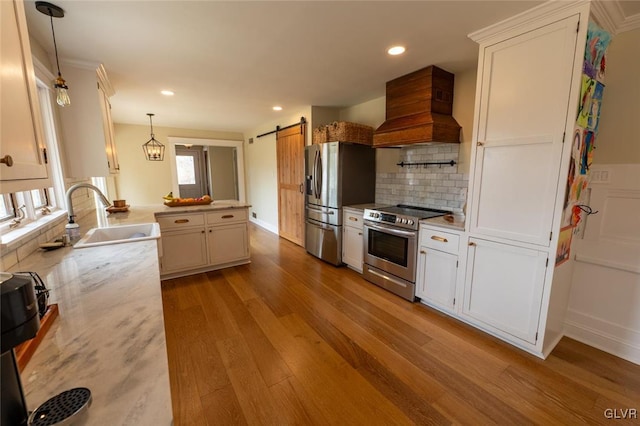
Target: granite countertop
{"points": [[162, 209], [109, 335]]}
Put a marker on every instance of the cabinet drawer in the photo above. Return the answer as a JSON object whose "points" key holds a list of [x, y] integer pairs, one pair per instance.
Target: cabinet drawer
{"points": [[352, 218], [227, 216], [180, 221], [439, 240]]}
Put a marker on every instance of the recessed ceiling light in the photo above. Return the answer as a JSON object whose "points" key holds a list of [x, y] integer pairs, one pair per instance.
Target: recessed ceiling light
{"points": [[277, 108], [396, 50], [167, 92]]}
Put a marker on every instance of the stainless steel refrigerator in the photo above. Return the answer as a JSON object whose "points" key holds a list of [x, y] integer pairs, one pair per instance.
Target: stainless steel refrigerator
{"points": [[337, 174]]}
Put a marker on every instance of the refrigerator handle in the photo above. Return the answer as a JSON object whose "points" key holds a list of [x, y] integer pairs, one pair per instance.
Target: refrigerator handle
{"points": [[319, 176]]}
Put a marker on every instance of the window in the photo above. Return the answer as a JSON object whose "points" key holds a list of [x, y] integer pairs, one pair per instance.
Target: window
{"points": [[6, 208], [186, 170], [38, 198]]}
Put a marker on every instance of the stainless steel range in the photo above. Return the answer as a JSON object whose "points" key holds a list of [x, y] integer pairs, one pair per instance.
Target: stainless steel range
{"points": [[391, 246]]}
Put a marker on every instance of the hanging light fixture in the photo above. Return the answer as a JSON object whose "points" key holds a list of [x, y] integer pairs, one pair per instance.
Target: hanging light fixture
{"points": [[53, 11], [153, 150]]}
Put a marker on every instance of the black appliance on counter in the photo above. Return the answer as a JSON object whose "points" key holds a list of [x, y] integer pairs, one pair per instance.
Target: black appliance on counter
{"points": [[24, 301], [391, 246], [337, 174], [20, 322]]}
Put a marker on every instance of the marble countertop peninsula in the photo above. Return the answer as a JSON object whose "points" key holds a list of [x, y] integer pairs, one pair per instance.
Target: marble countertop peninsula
{"points": [[109, 335]]}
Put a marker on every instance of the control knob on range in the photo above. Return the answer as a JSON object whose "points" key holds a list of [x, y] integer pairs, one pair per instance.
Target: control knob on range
{"points": [[410, 222]]}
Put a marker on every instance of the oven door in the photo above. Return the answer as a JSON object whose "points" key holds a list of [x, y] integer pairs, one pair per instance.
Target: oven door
{"points": [[391, 250]]}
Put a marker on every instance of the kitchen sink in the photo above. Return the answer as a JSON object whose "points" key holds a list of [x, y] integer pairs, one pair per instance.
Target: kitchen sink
{"points": [[119, 234]]}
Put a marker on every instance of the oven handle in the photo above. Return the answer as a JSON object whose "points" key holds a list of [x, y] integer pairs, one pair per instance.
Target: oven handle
{"points": [[386, 277], [391, 230]]}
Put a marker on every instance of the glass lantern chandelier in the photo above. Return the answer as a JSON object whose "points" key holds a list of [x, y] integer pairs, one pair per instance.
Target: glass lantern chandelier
{"points": [[53, 11], [153, 150]]}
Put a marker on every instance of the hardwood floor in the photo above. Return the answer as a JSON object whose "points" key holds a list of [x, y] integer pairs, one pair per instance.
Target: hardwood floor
{"points": [[289, 339]]}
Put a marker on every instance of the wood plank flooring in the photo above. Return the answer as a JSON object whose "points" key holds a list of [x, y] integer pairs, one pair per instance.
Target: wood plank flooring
{"points": [[291, 340]]}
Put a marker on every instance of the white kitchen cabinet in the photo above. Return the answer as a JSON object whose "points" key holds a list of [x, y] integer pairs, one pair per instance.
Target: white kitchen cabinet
{"points": [[21, 124], [437, 274], [520, 132], [228, 236], [503, 289], [183, 250], [194, 242], [228, 243], [87, 127], [352, 238], [528, 86]]}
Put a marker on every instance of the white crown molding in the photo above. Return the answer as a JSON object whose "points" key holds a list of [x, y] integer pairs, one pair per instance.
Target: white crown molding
{"points": [[610, 16], [545, 10], [630, 23]]}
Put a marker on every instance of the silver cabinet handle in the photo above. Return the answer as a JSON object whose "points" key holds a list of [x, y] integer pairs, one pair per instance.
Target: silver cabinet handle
{"points": [[442, 239]]}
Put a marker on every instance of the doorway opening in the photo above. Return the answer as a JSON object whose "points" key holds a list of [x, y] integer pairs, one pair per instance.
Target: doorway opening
{"points": [[207, 166]]}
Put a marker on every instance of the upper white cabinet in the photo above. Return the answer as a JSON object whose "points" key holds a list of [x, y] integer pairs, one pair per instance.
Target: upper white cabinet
{"points": [[521, 123], [20, 125], [87, 127]]}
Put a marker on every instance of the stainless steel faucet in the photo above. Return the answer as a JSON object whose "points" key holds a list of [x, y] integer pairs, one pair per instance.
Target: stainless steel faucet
{"points": [[103, 199]]}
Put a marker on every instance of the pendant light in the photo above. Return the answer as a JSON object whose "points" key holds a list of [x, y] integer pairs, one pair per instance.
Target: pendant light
{"points": [[53, 11], [153, 150]]}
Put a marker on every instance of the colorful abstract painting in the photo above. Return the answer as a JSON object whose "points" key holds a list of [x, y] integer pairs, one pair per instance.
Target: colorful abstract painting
{"points": [[594, 56]]}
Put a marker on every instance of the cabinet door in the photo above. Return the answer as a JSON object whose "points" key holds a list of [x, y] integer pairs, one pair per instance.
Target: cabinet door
{"points": [[228, 243], [21, 126], [436, 280], [503, 288], [183, 250], [110, 141], [352, 247], [83, 127], [526, 82]]}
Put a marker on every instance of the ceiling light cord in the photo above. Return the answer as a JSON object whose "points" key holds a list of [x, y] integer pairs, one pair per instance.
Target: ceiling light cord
{"points": [[55, 45]]}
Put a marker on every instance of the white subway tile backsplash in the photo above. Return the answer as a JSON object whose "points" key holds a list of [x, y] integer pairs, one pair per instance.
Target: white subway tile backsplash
{"points": [[433, 186]]}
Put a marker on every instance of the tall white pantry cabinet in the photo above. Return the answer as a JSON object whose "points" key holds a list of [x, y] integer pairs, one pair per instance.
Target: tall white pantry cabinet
{"points": [[527, 94]]}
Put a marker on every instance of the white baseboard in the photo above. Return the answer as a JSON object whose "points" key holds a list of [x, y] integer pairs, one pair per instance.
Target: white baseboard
{"points": [[264, 225], [608, 337]]}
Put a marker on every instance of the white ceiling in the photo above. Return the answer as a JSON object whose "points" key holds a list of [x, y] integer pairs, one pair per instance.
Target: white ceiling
{"points": [[230, 62]]}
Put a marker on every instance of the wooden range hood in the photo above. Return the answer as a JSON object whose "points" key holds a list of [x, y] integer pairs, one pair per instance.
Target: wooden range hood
{"points": [[419, 108]]}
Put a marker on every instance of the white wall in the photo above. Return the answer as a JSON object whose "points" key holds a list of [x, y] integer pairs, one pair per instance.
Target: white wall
{"points": [[605, 291], [619, 136], [143, 182], [223, 173]]}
